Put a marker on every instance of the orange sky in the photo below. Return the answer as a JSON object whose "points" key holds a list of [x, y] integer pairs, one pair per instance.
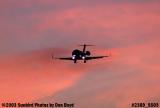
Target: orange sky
{"points": [[31, 31]]}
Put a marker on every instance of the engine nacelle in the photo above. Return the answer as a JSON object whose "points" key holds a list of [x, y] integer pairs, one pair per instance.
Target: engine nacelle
{"points": [[88, 53]]}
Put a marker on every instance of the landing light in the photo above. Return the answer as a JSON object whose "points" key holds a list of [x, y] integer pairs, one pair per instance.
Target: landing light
{"points": [[73, 57], [83, 57]]}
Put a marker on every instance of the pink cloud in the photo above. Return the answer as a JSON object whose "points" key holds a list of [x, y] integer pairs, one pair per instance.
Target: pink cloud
{"points": [[130, 75], [141, 65], [35, 75], [121, 22]]}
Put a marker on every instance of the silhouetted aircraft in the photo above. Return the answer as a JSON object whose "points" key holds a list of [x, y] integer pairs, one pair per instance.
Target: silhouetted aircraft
{"points": [[81, 55]]}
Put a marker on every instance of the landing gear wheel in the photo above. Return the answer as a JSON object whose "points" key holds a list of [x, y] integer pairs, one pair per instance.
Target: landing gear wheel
{"points": [[75, 61]]}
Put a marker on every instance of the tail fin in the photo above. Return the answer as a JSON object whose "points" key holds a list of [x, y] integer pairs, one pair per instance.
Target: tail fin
{"points": [[84, 46]]}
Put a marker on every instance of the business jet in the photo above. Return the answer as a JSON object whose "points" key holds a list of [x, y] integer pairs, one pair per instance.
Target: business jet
{"points": [[81, 55]]}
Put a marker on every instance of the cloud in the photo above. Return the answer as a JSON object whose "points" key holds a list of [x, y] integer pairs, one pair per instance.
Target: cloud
{"points": [[32, 75], [115, 25], [130, 77]]}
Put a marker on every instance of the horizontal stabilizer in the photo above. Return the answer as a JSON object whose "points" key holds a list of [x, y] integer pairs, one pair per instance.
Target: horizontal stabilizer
{"points": [[86, 45]]}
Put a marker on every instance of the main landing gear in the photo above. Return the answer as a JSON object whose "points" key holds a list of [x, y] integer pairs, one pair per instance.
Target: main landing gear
{"points": [[75, 61]]}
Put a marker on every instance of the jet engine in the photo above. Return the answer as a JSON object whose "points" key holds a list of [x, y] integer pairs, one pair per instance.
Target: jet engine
{"points": [[88, 53]]}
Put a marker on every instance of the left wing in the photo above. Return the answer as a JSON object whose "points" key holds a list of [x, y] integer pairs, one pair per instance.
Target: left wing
{"points": [[95, 57], [65, 58]]}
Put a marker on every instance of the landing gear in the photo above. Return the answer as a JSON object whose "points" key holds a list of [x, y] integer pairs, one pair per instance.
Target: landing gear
{"points": [[75, 61]]}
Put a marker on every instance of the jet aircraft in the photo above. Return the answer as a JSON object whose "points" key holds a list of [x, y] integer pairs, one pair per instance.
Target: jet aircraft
{"points": [[81, 55]]}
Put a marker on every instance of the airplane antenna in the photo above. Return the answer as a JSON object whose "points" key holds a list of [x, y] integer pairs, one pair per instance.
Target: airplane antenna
{"points": [[110, 53]]}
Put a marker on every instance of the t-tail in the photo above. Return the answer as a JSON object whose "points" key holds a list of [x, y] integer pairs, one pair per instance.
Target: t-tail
{"points": [[84, 47]]}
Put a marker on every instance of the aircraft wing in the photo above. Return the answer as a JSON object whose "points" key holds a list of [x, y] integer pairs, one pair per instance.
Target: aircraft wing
{"points": [[95, 57], [65, 58]]}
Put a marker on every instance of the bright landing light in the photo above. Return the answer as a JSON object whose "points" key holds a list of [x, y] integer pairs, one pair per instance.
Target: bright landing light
{"points": [[83, 57], [73, 57]]}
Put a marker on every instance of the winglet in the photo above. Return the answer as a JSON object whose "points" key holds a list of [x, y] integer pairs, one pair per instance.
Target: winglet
{"points": [[109, 54]]}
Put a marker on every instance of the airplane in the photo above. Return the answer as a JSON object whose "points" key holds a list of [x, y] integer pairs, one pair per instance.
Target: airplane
{"points": [[81, 55]]}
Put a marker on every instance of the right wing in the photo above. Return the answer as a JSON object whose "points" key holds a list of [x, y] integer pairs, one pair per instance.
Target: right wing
{"points": [[95, 57]]}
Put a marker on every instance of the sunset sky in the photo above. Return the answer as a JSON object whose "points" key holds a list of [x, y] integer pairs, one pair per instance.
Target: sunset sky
{"points": [[33, 30]]}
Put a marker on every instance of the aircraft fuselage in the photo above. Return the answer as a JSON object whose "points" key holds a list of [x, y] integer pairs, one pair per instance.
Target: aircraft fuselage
{"points": [[80, 55]]}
